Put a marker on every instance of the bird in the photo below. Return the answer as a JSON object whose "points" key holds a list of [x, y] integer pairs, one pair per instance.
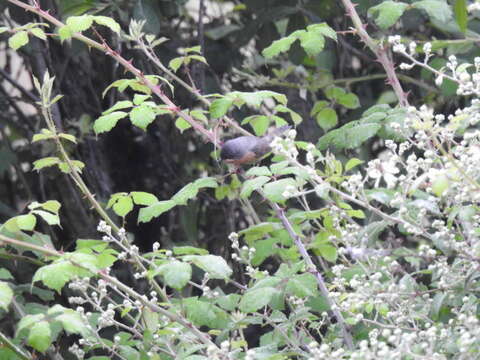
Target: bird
{"points": [[249, 149]]}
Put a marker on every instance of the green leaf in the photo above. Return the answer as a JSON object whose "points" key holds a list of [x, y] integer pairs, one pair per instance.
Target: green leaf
{"points": [[155, 210], [319, 105], [65, 33], [44, 134], [256, 299], [108, 22], [5, 275], [388, 12], [71, 320], [327, 119], [123, 206], [302, 285], [258, 171], [253, 184], [350, 101], [206, 182], [40, 336], [22, 222], [45, 162], [17, 40], [215, 266], [57, 274], [182, 124], [328, 252], [68, 137], [79, 23], [6, 295], [188, 250], [143, 198], [278, 46], [38, 32], [139, 99], [219, 107], [186, 193], [349, 136], [142, 116], [175, 63], [461, 14], [176, 273], [352, 163], [275, 189], [436, 9], [50, 218], [119, 105], [259, 124], [107, 122], [312, 42]]}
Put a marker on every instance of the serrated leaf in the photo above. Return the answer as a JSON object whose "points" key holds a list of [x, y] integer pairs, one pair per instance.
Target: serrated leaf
{"points": [[175, 63], [40, 336], [108, 22], [387, 13], [182, 125], [253, 184], [327, 118], [106, 122], [278, 46], [119, 105], [45, 162], [348, 137], [68, 137], [123, 206], [275, 189], [39, 33], [17, 40], [302, 285], [143, 198], [311, 42], [79, 23], [138, 99], [155, 210], [436, 9], [65, 33], [319, 105], [352, 163], [176, 273], [259, 124], [258, 171], [142, 116], [186, 193], [215, 266], [350, 101], [6, 295], [256, 299], [50, 219], [219, 107]]}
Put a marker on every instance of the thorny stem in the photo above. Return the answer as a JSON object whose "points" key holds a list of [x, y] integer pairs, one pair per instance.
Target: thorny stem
{"points": [[115, 283], [347, 337], [209, 135], [381, 52]]}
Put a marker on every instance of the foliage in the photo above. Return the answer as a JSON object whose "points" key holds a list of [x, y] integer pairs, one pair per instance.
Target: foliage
{"points": [[357, 239]]}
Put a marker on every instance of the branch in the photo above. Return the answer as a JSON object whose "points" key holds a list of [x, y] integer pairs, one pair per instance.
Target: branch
{"points": [[347, 337], [128, 65], [115, 283], [381, 53]]}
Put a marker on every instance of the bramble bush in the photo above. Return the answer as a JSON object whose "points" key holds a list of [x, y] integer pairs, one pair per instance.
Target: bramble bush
{"points": [[342, 257]]}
